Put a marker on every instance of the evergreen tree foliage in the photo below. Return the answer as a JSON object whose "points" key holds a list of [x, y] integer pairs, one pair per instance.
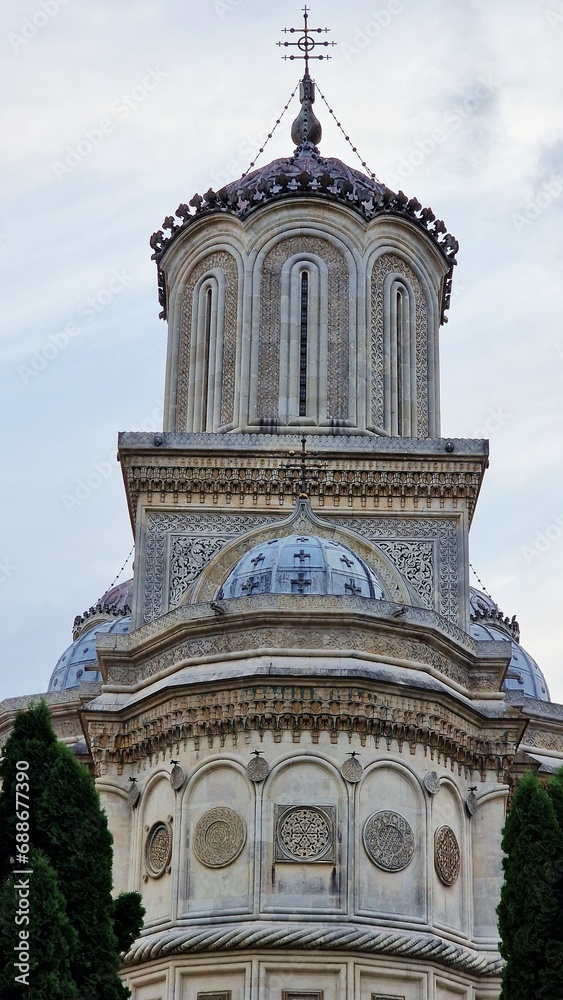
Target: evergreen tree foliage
{"points": [[528, 912], [69, 825], [128, 913], [52, 938]]}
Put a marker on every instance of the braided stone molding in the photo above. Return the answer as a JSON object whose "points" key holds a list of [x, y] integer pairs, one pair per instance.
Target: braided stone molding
{"points": [[313, 936]]}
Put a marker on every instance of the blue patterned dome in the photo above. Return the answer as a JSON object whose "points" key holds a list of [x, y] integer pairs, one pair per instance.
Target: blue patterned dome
{"points": [[71, 668], [488, 622], [301, 564]]}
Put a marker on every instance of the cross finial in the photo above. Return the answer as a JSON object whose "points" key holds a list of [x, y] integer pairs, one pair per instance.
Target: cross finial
{"points": [[305, 470], [306, 43]]}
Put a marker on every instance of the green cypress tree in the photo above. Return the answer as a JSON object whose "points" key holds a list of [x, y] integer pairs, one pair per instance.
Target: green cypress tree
{"points": [[528, 910], [44, 928], [67, 822]]}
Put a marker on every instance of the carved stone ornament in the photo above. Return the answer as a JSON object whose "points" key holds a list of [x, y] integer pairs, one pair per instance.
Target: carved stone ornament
{"points": [[386, 996], [305, 833], [177, 777], [257, 769], [225, 995], [219, 837], [472, 803], [389, 840], [158, 849], [431, 783], [447, 855], [134, 794], [352, 770]]}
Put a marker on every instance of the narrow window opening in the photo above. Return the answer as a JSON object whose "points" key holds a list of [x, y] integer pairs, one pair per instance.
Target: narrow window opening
{"points": [[205, 365], [400, 373], [303, 345]]}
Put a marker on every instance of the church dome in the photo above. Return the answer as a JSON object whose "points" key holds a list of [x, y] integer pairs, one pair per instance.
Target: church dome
{"points": [[72, 667], [488, 622], [301, 564]]}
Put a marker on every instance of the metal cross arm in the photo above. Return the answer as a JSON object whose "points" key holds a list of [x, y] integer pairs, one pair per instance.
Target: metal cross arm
{"points": [[306, 43]]}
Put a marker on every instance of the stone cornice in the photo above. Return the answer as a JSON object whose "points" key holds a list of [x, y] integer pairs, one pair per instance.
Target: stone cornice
{"points": [[312, 936], [247, 470], [306, 708], [306, 624]]}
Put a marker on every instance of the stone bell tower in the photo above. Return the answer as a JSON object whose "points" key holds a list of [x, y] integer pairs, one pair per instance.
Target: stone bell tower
{"points": [[315, 743]]}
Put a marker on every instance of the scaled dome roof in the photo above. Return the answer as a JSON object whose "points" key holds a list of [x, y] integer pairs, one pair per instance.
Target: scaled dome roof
{"points": [[488, 622], [301, 564]]}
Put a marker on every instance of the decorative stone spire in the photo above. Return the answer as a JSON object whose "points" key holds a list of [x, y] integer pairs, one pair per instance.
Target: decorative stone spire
{"points": [[306, 129]]}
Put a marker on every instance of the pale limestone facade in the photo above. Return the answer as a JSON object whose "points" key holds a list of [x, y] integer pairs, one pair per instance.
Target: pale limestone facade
{"points": [[320, 779]]}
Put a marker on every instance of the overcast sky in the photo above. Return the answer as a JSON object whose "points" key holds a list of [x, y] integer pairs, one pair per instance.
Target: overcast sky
{"points": [[118, 111]]}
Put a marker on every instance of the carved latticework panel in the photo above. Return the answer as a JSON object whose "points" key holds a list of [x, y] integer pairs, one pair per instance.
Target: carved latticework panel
{"points": [[415, 561], [389, 840], [222, 261], [302, 995], [337, 362], [447, 855], [225, 995], [380, 378], [305, 833], [219, 837], [158, 849]]}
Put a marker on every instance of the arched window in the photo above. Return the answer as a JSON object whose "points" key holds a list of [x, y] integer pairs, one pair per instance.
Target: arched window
{"points": [[399, 347], [303, 341], [206, 354]]}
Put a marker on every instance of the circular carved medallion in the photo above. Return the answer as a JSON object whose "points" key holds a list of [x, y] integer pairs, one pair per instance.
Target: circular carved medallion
{"points": [[219, 837], [158, 849], [431, 782], [472, 803], [305, 833], [177, 777], [447, 856], [258, 769], [134, 794], [352, 770], [389, 840]]}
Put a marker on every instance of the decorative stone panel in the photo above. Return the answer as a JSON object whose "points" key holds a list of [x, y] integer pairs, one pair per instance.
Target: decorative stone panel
{"points": [[225, 995], [304, 833], [389, 840], [219, 837], [158, 849], [302, 995], [447, 855], [178, 547]]}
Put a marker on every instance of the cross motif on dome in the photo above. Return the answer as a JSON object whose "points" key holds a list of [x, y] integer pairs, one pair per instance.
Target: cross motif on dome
{"points": [[306, 43], [250, 585], [257, 559], [352, 588], [298, 585], [302, 555], [347, 562]]}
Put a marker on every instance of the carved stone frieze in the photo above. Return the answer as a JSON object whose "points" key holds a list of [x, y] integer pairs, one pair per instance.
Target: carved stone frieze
{"points": [[306, 710], [178, 547]]}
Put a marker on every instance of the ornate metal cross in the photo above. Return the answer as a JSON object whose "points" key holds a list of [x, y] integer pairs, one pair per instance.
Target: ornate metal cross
{"points": [[250, 585], [352, 588], [298, 586], [304, 469], [306, 43]]}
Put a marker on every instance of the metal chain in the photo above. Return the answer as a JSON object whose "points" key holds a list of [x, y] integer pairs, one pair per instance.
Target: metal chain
{"points": [[270, 134], [354, 149], [122, 568], [479, 581]]}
